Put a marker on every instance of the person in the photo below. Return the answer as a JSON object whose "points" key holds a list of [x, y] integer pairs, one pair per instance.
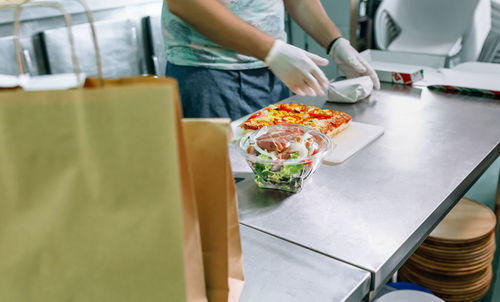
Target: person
{"points": [[231, 57]]}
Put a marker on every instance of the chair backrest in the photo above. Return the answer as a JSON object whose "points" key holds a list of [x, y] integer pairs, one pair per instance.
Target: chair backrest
{"points": [[491, 50], [495, 16], [475, 36], [121, 53], [8, 56], [154, 44], [426, 26]]}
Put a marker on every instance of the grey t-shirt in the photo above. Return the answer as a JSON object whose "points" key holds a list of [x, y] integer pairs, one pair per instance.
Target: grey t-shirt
{"points": [[185, 46]]}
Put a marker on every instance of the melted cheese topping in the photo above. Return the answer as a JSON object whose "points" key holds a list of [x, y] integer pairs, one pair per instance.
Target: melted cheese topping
{"points": [[325, 120]]}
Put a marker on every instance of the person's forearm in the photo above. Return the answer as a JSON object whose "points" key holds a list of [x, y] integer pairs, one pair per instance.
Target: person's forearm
{"points": [[219, 24], [311, 16]]}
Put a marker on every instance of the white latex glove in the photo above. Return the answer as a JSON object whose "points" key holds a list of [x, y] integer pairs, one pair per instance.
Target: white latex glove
{"points": [[351, 63], [297, 68]]}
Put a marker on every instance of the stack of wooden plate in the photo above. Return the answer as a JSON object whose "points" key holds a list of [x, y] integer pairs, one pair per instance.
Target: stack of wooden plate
{"points": [[454, 262]]}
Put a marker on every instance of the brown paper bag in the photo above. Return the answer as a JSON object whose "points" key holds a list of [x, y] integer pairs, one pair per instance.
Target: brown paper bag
{"points": [[96, 202], [207, 141]]}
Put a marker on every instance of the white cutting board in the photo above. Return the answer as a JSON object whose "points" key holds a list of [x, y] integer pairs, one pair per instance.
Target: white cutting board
{"points": [[351, 140], [348, 142]]}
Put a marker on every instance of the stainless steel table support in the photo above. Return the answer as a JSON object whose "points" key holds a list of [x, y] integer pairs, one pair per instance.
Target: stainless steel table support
{"points": [[276, 270], [373, 210]]}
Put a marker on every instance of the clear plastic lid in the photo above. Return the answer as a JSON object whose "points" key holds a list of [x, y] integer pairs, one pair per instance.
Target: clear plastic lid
{"points": [[288, 142]]}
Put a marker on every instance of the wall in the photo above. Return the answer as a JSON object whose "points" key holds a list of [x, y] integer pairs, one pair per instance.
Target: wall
{"points": [[339, 12], [36, 20]]}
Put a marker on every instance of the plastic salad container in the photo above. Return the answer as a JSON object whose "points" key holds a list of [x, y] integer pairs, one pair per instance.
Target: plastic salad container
{"points": [[283, 156]]}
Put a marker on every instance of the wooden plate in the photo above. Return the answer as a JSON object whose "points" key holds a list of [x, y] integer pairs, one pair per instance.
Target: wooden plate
{"points": [[454, 262], [456, 283], [472, 296], [448, 271], [458, 297], [468, 221], [456, 257], [452, 266], [455, 244], [457, 252], [465, 289]]}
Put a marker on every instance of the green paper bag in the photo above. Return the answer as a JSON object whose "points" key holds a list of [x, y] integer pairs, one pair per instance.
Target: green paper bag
{"points": [[96, 202]]}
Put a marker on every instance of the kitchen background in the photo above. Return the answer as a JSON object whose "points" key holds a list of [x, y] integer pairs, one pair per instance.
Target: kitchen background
{"points": [[129, 35]]}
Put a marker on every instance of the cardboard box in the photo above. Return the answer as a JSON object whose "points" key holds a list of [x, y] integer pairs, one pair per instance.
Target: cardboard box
{"points": [[400, 75], [402, 68]]}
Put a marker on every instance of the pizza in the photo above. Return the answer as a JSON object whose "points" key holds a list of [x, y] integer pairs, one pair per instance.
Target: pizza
{"points": [[327, 121]]}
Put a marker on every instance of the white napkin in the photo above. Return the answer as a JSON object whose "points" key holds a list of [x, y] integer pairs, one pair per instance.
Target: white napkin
{"points": [[350, 91]]}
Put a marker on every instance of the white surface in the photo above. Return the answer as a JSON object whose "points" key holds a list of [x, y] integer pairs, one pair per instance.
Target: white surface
{"points": [[418, 42], [45, 82], [464, 79], [404, 58], [478, 67], [53, 82], [385, 62], [351, 140], [408, 295], [386, 71], [475, 36], [348, 142], [394, 67], [9, 81], [435, 27], [350, 91]]}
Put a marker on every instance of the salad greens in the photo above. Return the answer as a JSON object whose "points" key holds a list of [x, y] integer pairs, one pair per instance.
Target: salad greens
{"points": [[287, 177], [283, 156]]}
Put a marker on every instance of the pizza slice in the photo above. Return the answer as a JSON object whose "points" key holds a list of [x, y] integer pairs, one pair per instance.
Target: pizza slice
{"points": [[327, 121]]}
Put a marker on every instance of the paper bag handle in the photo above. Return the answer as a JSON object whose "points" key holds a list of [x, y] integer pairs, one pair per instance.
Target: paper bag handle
{"points": [[98, 58], [67, 19]]}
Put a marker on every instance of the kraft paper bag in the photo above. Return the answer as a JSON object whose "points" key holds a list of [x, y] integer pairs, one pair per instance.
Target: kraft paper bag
{"points": [[96, 202], [207, 145]]}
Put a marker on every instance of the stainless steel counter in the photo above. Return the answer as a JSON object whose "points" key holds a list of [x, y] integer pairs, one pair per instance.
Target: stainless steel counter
{"points": [[374, 210], [276, 270]]}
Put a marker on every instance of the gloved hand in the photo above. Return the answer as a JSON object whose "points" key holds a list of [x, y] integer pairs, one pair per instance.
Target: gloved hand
{"points": [[297, 68], [351, 63]]}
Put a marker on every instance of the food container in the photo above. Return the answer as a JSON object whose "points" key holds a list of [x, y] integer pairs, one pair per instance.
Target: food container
{"points": [[285, 155], [394, 67]]}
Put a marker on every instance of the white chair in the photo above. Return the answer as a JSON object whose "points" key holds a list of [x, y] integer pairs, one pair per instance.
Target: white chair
{"points": [[155, 46], [495, 16], [447, 28], [8, 59], [121, 52], [491, 49]]}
